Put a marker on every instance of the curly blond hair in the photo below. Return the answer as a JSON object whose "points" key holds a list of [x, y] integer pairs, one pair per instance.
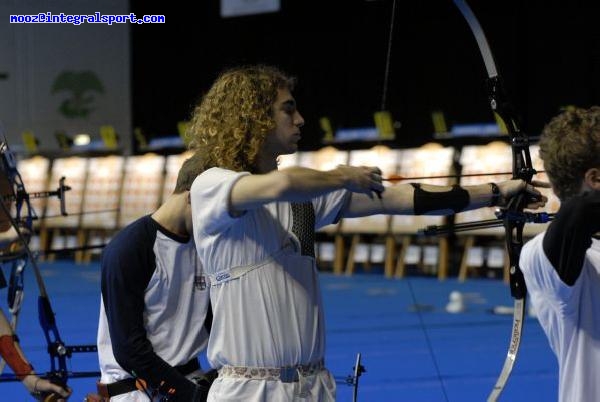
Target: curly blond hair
{"points": [[229, 125], [569, 146]]}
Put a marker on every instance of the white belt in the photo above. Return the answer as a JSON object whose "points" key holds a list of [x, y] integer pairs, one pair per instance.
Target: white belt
{"points": [[283, 374]]}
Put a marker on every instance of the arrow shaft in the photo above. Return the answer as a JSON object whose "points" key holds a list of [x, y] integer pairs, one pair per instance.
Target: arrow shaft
{"points": [[401, 178]]}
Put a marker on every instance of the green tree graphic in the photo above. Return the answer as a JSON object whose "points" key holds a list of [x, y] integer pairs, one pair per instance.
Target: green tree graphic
{"points": [[81, 86]]}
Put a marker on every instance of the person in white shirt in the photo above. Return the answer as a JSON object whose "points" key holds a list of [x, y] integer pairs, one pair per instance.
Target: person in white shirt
{"points": [[561, 266], [154, 307], [254, 229]]}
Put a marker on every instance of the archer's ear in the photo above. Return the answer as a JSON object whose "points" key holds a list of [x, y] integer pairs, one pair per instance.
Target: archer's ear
{"points": [[592, 178]]}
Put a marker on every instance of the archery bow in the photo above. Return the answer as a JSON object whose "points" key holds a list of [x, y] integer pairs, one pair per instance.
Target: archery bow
{"points": [[512, 217], [522, 168], [57, 349]]}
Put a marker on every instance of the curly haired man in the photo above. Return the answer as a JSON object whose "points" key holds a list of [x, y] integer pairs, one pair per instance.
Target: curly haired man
{"points": [[254, 229]]}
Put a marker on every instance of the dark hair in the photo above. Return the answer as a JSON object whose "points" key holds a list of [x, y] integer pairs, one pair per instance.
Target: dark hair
{"points": [[190, 169], [569, 146]]}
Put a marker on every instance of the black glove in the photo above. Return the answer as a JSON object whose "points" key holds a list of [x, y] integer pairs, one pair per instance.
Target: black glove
{"points": [[203, 384]]}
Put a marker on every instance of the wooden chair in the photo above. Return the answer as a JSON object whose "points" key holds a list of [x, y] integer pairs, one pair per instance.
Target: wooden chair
{"points": [[58, 231], [327, 158], [324, 250], [475, 159], [431, 159], [374, 227], [101, 201], [143, 182], [35, 173], [494, 157]]}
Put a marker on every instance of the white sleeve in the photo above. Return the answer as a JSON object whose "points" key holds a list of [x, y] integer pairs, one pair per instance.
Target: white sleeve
{"points": [[330, 207], [210, 195], [541, 278]]}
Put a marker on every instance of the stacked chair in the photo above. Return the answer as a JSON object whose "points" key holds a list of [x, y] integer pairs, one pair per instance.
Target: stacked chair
{"points": [[326, 251], [379, 249], [430, 255], [34, 173], [143, 181], [100, 205], [58, 231]]}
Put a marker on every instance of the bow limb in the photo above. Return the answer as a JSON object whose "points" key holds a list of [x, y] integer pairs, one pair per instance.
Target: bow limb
{"points": [[17, 261], [56, 348], [522, 169]]}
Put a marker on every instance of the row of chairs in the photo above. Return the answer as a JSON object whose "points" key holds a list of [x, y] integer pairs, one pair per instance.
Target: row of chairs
{"points": [[109, 192]]}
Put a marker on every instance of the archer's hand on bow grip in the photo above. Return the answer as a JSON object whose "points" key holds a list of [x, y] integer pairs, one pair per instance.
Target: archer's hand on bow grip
{"points": [[534, 198], [64, 394], [48, 391]]}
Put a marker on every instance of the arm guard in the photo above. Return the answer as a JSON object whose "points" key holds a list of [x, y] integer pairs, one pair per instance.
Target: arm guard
{"points": [[13, 357], [425, 201]]}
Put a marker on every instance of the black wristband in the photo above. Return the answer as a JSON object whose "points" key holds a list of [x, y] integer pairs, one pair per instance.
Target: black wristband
{"points": [[495, 195], [425, 201]]}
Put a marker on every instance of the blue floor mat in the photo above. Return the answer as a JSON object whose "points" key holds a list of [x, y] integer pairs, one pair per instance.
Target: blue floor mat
{"points": [[412, 349]]}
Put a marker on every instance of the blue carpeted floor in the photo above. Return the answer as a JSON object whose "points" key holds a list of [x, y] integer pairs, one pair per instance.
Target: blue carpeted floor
{"points": [[390, 322]]}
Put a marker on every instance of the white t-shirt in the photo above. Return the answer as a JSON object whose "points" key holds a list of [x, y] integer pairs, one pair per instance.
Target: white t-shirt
{"points": [[570, 317], [157, 300], [265, 295]]}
